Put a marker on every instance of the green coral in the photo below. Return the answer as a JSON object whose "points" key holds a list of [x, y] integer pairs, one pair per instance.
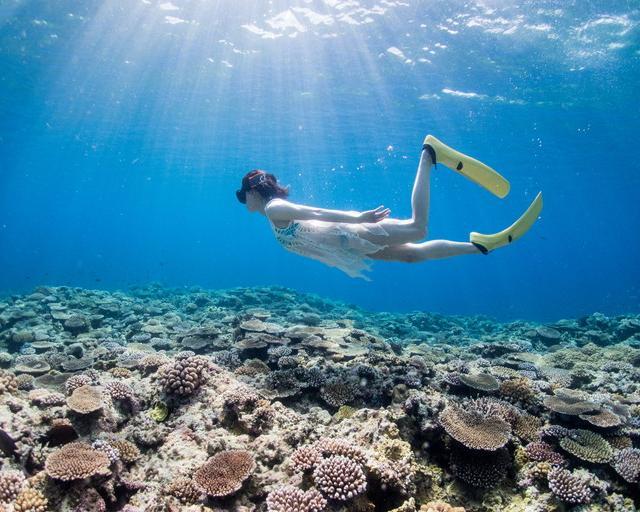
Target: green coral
{"points": [[159, 412], [344, 412]]}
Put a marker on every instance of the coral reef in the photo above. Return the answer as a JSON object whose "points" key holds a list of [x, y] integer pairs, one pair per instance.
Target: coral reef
{"points": [[264, 399]]}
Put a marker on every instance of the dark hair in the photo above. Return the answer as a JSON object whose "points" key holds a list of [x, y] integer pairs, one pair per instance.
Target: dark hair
{"points": [[264, 183]]}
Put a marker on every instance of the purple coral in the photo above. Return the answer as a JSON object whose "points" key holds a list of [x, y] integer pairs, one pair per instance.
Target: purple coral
{"points": [[569, 487], [340, 478], [627, 464], [543, 452]]}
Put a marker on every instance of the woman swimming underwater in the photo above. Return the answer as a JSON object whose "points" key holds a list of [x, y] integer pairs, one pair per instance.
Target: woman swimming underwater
{"points": [[347, 239]]}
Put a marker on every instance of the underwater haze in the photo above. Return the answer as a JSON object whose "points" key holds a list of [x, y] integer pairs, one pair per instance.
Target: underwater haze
{"points": [[127, 125]]}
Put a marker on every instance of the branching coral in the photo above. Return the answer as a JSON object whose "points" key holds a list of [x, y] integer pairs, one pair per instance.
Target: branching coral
{"points": [[627, 464], [569, 487], [10, 484], [31, 500], [340, 478], [287, 498]]}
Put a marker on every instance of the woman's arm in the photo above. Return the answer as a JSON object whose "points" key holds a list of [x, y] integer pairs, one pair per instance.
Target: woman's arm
{"points": [[286, 211]]}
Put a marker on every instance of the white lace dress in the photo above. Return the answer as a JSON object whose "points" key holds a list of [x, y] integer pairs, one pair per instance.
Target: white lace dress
{"points": [[336, 244]]}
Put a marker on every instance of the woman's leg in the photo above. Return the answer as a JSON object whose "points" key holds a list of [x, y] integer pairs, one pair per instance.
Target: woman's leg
{"points": [[431, 250], [414, 229]]}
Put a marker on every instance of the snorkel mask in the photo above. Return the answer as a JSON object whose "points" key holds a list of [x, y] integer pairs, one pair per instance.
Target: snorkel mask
{"points": [[251, 181]]}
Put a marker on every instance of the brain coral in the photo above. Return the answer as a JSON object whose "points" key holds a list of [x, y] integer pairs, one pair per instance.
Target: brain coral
{"points": [[340, 478], [85, 399], [10, 484], [627, 464], [474, 430], [587, 445], [224, 473], [75, 461], [291, 499], [184, 376], [569, 487]]}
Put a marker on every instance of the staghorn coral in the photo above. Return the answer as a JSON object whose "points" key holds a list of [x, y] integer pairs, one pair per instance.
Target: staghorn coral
{"points": [[627, 464], [85, 400], [340, 478], [10, 484], [287, 498], [474, 430], [569, 487], [587, 445], [31, 500], [185, 375], [75, 461], [184, 490], [224, 473]]}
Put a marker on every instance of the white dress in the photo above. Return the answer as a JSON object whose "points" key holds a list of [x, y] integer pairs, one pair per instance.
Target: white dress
{"points": [[336, 244]]}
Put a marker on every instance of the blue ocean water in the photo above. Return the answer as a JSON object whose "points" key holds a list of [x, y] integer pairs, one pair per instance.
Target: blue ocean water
{"points": [[126, 126]]}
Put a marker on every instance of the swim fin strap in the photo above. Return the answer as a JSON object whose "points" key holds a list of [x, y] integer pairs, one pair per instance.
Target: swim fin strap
{"points": [[486, 243], [469, 167]]}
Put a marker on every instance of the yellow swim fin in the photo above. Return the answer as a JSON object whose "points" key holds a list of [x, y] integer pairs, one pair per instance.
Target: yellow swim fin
{"points": [[473, 169], [488, 243]]}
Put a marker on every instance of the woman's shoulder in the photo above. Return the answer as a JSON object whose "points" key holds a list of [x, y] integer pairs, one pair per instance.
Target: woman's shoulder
{"points": [[276, 206]]}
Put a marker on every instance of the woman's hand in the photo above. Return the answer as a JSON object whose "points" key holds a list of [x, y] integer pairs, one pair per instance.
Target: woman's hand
{"points": [[374, 215]]}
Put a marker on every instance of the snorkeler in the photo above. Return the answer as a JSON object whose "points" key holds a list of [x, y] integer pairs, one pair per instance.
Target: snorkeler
{"points": [[347, 239]]}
